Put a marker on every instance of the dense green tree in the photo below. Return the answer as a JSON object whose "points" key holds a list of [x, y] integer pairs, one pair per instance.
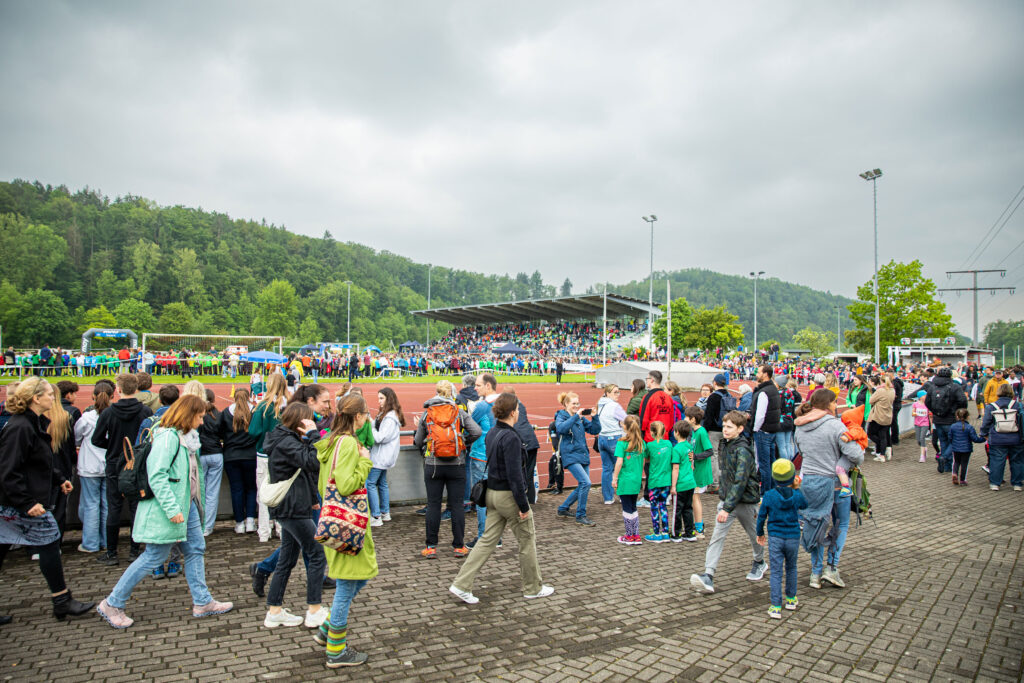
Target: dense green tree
{"points": [[1009, 333], [819, 343], [908, 307], [277, 309], [189, 278], [712, 328], [682, 319], [10, 301], [110, 291], [176, 318], [31, 253], [144, 265], [135, 315], [41, 318]]}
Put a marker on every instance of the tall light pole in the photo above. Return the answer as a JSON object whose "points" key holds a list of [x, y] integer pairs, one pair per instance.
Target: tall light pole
{"points": [[348, 316], [756, 277], [839, 332], [873, 176], [430, 268], [650, 295]]}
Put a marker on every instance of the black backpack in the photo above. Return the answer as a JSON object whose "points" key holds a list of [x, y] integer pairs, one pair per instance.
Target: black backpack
{"points": [[942, 399], [133, 479], [728, 404]]}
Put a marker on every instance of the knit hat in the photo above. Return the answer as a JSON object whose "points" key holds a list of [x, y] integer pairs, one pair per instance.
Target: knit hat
{"points": [[780, 381], [922, 393], [783, 472], [720, 379]]}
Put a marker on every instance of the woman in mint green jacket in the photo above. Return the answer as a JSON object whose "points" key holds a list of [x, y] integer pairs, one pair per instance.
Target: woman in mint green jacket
{"points": [[173, 515]]}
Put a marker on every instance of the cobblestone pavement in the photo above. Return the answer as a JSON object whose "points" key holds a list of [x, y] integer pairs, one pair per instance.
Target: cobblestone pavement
{"points": [[934, 592]]}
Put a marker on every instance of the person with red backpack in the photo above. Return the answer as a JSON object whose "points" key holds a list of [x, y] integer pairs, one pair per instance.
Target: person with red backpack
{"points": [[443, 435]]}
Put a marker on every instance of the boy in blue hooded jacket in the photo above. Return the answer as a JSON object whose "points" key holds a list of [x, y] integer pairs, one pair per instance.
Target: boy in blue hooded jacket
{"points": [[779, 507]]}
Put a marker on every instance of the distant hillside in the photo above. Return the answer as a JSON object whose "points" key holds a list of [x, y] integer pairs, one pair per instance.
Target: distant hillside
{"points": [[74, 260], [783, 308]]}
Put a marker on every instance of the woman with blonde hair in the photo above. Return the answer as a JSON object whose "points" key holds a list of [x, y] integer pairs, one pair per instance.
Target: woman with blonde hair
{"points": [[29, 485], [173, 515], [573, 425], [265, 416]]}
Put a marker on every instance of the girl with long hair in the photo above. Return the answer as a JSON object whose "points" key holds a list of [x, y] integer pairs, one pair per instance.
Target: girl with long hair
{"points": [[265, 417], [239, 454], [92, 503], [384, 453], [211, 456], [628, 477]]}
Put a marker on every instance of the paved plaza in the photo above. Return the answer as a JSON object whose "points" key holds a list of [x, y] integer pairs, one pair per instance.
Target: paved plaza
{"points": [[934, 592]]}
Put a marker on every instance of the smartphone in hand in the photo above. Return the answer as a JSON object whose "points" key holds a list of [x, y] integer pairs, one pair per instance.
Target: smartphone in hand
{"points": [[588, 412]]}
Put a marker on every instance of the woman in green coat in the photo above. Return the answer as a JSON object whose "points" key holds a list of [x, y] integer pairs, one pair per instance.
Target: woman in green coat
{"points": [[173, 515], [347, 462]]}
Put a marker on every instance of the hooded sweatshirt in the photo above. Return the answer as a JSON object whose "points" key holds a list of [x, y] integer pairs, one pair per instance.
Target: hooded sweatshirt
{"points": [[779, 506], [818, 441], [610, 414], [121, 420]]}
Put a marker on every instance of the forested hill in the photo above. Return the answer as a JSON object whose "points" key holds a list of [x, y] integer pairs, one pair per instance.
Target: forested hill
{"points": [[74, 260], [783, 308]]}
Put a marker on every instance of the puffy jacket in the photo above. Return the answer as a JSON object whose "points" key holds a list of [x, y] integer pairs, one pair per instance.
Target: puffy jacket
{"points": [[573, 430], [740, 480], [991, 392], [657, 406], [287, 452], [29, 473], [122, 419], [988, 425], [964, 437], [955, 398]]}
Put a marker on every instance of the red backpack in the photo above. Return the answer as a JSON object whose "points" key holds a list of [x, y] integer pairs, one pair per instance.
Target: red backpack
{"points": [[444, 433]]}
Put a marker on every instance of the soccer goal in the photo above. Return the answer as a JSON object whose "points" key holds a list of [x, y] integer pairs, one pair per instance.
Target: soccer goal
{"points": [[219, 344]]}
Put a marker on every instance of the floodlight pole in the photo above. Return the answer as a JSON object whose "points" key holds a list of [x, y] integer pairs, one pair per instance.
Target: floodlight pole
{"points": [[650, 297], [839, 332], [873, 176], [756, 277], [668, 338], [348, 316], [430, 267], [604, 324]]}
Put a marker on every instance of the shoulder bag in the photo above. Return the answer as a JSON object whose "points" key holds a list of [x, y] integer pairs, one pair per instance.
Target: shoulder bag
{"points": [[343, 519], [271, 495]]}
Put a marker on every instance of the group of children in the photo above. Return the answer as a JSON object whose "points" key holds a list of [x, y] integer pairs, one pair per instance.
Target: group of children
{"points": [[962, 436]]}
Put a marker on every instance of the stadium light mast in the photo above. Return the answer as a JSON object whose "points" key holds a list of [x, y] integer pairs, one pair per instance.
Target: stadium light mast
{"points": [[348, 316], [756, 277], [650, 295], [839, 332], [430, 268], [873, 176], [604, 324]]}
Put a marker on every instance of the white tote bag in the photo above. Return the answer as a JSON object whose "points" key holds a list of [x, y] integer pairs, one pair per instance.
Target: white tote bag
{"points": [[271, 495]]}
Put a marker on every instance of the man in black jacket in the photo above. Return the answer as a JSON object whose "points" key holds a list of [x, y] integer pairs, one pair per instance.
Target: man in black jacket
{"points": [[121, 421], [765, 416], [712, 421], [943, 398], [897, 403], [531, 445]]}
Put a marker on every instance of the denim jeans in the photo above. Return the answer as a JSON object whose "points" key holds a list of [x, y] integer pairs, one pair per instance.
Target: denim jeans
{"points": [[837, 537], [344, 593], [377, 492], [764, 443], [997, 457], [297, 536], [945, 448], [194, 549], [242, 480], [92, 510], [478, 471], [580, 493], [782, 552], [213, 468], [606, 444], [784, 445]]}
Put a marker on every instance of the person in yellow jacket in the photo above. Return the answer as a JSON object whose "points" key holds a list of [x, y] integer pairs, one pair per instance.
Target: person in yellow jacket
{"points": [[345, 460], [992, 387]]}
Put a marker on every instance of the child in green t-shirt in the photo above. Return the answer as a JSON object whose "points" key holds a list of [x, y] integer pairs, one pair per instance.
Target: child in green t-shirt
{"points": [[683, 484], [702, 454], [659, 481], [627, 479]]}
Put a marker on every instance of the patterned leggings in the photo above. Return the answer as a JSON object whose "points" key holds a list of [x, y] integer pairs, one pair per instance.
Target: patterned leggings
{"points": [[659, 511]]}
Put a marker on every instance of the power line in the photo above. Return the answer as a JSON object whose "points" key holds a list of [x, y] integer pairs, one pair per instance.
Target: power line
{"points": [[967, 262], [975, 289], [994, 236]]}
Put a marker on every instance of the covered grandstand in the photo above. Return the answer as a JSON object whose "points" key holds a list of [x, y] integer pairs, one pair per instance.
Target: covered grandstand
{"points": [[585, 307]]}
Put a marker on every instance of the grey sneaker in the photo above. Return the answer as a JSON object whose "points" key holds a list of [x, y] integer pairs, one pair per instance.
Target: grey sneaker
{"points": [[832, 576], [703, 582], [757, 571], [564, 513], [585, 521], [348, 657], [815, 581]]}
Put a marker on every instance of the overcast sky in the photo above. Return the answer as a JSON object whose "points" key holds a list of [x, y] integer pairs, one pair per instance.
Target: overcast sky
{"points": [[505, 137]]}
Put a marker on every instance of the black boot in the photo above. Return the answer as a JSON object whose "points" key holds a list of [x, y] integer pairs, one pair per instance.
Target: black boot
{"points": [[108, 559], [259, 580], [65, 605], [4, 620]]}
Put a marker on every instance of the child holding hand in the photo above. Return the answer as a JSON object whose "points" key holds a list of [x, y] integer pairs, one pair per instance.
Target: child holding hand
{"points": [[779, 508]]}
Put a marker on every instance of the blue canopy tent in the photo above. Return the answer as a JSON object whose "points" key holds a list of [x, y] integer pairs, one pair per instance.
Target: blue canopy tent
{"points": [[371, 347], [512, 347], [262, 357], [310, 347], [411, 345]]}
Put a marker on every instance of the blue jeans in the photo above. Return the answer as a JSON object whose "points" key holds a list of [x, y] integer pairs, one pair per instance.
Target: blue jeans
{"points": [[945, 448], [344, 593], [92, 510], [606, 444], [764, 443], [784, 445], [213, 468], [782, 552], [193, 548], [580, 493], [242, 480], [997, 457], [477, 471], [377, 492], [837, 537]]}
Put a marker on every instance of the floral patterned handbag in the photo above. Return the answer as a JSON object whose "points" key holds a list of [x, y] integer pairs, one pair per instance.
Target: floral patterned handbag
{"points": [[343, 519]]}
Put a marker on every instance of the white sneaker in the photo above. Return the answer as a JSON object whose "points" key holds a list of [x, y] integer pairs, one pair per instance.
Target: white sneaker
{"points": [[36, 557], [282, 618], [1018, 488], [465, 596], [250, 525], [376, 521], [314, 619], [81, 549], [240, 528], [545, 591], [386, 517]]}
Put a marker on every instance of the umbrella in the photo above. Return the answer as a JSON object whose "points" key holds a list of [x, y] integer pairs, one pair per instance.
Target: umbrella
{"points": [[263, 357], [371, 347]]}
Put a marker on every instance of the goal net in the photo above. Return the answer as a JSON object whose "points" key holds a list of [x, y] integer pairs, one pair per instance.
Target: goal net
{"points": [[214, 344]]}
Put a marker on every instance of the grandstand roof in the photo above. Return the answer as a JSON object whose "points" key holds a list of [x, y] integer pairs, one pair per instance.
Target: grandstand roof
{"points": [[589, 307]]}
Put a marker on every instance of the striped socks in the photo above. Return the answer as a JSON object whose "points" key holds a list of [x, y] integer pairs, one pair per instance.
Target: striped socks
{"points": [[336, 639]]}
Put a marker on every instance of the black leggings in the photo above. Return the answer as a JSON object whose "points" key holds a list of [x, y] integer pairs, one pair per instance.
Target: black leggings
{"points": [[682, 515], [49, 564], [438, 479], [880, 435], [960, 461]]}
